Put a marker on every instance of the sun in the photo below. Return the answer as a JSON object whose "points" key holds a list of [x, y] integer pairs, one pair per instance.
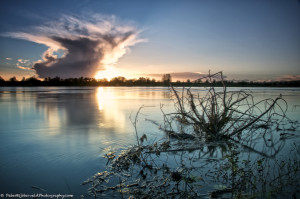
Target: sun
{"points": [[109, 73]]}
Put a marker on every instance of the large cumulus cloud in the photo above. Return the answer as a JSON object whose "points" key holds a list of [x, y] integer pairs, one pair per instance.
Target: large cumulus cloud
{"points": [[88, 43]]}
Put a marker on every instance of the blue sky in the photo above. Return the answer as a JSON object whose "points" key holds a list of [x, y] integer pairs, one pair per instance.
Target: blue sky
{"points": [[255, 39]]}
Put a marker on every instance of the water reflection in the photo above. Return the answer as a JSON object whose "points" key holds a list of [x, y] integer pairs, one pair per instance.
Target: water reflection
{"points": [[70, 109], [106, 109], [50, 134], [109, 108], [84, 112]]}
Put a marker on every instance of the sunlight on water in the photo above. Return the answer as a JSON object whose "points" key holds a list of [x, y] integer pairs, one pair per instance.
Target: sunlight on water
{"points": [[109, 108]]}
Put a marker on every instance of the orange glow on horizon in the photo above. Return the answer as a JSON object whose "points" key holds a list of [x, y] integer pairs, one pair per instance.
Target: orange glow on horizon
{"points": [[109, 73]]}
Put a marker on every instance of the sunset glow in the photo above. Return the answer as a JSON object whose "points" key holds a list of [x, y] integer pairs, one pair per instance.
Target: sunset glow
{"points": [[109, 73], [146, 39]]}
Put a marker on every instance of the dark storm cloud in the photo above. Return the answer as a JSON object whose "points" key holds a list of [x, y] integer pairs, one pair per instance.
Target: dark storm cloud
{"points": [[82, 59], [88, 45]]}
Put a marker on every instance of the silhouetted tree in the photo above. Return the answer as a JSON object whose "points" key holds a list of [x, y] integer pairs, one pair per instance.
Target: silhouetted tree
{"points": [[2, 81], [13, 79], [167, 78], [142, 81]]}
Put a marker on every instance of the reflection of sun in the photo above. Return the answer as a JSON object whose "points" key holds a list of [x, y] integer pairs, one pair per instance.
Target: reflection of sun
{"points": [[109, 106], [109, 73]]}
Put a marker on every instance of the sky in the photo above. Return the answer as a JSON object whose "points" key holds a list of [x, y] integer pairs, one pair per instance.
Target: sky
{"points": [[255, 40]]}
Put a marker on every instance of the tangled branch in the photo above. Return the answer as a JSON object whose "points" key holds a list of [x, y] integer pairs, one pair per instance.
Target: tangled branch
{"points": [[222, 114]]}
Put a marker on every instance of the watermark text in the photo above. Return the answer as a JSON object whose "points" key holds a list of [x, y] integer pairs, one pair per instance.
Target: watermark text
{"points": [[36, 195]]}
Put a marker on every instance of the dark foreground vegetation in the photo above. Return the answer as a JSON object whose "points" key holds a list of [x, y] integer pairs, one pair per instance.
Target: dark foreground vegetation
{"points": [[224, 144], [122, 81]]}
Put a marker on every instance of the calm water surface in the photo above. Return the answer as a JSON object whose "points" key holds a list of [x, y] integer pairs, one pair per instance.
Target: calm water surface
{"points": [[55, 138]]}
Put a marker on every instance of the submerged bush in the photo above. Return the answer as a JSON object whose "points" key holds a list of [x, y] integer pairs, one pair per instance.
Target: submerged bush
{"points": [[207, 152], [147, 172], [222, 114]]}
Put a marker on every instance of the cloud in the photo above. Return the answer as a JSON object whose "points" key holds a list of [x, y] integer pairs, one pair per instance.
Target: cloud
{"points": [[88, 44], [24, 68], [182, 76], [24, 64], [288, 78], [23, 61], [179, 75]]}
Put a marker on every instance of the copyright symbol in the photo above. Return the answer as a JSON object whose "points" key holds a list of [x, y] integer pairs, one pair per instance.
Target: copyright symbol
{"points": [[2, 195]]}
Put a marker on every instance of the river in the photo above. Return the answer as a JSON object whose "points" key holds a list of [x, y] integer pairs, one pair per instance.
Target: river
{"points": [[54, 138]]}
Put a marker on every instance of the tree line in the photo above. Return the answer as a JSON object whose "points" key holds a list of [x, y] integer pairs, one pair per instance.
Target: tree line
{"points": [[142, 81]]}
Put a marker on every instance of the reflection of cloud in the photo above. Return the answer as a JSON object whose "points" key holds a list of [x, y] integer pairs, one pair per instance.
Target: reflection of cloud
{"points": [[84, 109], [102, 110], [88, 44], [55, 116], [77, 107]]}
